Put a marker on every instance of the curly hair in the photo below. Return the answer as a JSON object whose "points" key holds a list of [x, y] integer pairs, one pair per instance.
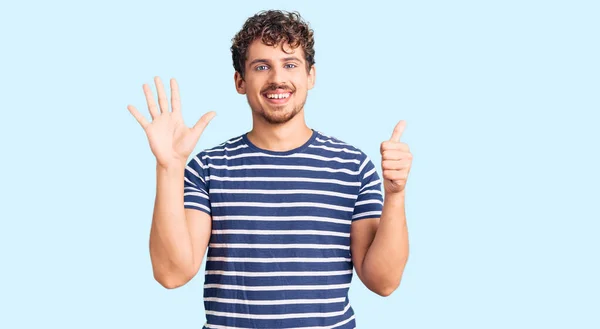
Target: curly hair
{"points": [[273, 27]]}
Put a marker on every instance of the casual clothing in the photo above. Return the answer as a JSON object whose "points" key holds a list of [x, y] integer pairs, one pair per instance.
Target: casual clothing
{"points": [[279, 253]]}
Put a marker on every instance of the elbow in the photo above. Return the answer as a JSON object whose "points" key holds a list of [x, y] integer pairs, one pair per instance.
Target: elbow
{"points": [[384, 285], [172, 281], [382, 282], [386, 290]]}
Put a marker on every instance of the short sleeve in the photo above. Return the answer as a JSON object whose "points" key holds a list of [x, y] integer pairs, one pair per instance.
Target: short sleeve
{"points": [[369, 202], [195, 189]]}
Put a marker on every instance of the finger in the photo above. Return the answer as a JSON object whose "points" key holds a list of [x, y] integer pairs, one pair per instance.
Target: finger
{"points": [[203, 122], [389, 145], [395, 164], [175, 100], [395, 154], [150, 100], [395, 175], [162, 97], [138, 116], [398, 130]]}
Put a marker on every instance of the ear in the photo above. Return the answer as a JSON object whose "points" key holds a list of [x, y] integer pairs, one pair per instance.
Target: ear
{"points": [[240, 84], [312, 75]]}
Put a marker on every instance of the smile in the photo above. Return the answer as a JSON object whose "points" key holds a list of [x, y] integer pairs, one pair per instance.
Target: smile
{"points": [[286, 95], [278, 97]]}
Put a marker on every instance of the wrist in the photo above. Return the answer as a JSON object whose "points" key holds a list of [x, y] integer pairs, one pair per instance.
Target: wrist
{"points": [[397, 197], [171, 166]]}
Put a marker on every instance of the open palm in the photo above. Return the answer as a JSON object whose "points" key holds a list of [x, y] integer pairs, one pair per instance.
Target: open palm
{"points": [[171, 141]]}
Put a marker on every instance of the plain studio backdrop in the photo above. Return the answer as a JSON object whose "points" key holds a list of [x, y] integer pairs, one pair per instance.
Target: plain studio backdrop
{"points": [[502, 104]]}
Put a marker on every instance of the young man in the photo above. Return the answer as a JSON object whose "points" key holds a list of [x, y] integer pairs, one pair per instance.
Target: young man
{"points": [[285, 211]]}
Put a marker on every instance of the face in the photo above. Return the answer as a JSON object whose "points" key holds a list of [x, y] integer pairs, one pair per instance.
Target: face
{"points": [[276, 82]]}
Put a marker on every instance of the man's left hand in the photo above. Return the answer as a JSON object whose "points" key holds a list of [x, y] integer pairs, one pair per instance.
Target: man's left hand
{"points": [[396, 161]]}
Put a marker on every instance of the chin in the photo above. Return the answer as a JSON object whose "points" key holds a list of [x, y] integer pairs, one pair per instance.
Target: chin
{"points": [[278, 119], [278, 115]]}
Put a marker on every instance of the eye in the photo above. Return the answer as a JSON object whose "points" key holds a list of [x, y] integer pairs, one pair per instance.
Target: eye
{"points": [[290, 66], [260, 67]]}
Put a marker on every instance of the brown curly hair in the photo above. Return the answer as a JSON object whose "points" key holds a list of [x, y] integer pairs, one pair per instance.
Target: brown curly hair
{"points": [[273, 27]]}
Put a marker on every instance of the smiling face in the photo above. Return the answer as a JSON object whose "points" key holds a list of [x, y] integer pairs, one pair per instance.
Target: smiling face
{"points": [[276, 81]]}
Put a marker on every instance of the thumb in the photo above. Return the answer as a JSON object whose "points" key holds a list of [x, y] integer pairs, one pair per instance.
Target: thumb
{"points": [[199, 127], [398, 130]]}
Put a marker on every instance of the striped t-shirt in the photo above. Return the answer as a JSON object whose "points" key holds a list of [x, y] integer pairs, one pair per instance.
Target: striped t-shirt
{"points": [[279, 253]]}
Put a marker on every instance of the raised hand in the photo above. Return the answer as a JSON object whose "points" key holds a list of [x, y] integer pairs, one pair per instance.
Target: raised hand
{"points": [[171, 141], [396, 161]]}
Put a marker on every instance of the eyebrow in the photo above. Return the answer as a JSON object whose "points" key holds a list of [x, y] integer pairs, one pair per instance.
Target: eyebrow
{"points": [[266, 61]]}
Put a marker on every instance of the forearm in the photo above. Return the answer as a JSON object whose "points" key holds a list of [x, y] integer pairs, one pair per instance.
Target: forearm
{"points": [[387, 255], [170, 244]]}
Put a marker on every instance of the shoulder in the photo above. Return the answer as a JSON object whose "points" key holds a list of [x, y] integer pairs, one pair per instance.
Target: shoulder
{"points": [[234, 144], [339, 146]]}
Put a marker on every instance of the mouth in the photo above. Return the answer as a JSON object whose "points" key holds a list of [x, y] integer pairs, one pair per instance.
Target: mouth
{"points": [[277, 96]]}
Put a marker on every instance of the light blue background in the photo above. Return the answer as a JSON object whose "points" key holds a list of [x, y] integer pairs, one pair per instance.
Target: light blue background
{"points": [[501, 100]]}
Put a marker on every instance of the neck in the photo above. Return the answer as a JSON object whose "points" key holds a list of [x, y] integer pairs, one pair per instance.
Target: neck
{"points": [[279, 137]]}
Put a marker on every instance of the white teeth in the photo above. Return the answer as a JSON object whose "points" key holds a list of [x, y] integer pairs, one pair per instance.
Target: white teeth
{"points": [[277, 96]]}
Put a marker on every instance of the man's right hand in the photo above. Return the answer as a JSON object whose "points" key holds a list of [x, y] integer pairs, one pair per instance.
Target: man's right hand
{"points": [[171, 141]]}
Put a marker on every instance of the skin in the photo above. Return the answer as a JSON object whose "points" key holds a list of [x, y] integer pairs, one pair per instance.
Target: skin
{"points": [[179, 237], [380, 245], [276, 69]]}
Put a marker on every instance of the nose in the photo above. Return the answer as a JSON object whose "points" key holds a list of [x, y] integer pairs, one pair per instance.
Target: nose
{"points": [[277, 75]]}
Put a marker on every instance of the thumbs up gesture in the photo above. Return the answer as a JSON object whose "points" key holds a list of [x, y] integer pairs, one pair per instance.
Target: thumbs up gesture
{"points": [[396, 160]]}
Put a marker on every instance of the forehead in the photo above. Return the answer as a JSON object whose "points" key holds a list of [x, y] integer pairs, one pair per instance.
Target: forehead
{"points": [[258, 50]]}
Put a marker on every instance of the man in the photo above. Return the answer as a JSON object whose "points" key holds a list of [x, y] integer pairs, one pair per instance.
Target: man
{"points": [[285, 211]]}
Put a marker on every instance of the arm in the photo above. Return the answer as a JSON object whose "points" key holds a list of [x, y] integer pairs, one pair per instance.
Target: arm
{"points": [[380, 247], [178, 237]]}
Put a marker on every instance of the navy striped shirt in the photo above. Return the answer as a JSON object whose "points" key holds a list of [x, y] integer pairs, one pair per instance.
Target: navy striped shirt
{"points": [[279, 252]]}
